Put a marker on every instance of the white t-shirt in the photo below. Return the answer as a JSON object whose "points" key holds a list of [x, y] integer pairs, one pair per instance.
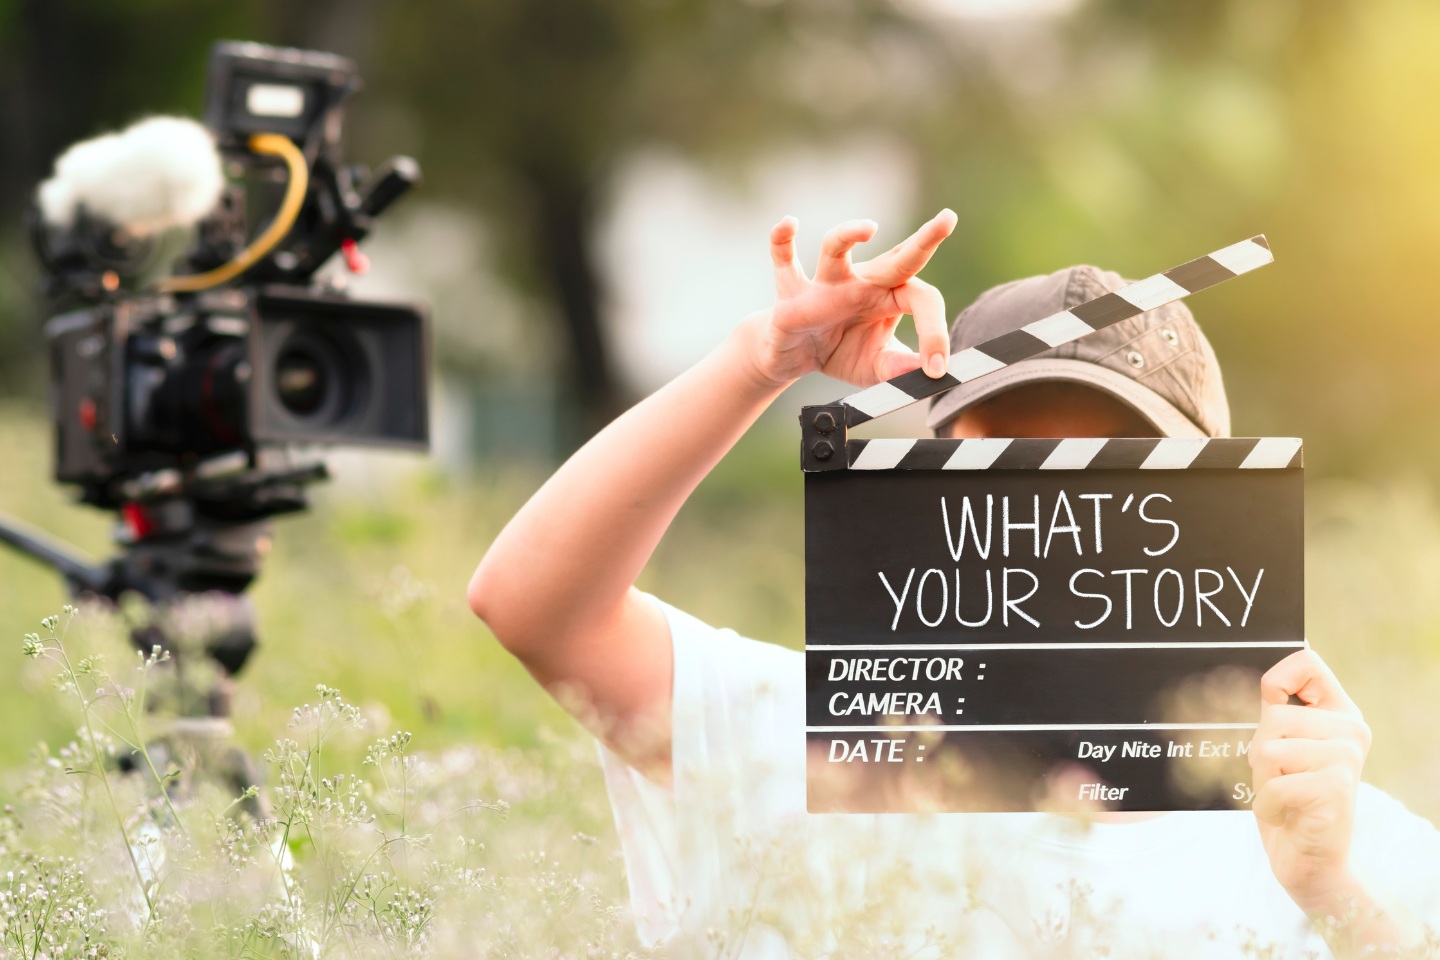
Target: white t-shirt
{"points": [[727, 862]]}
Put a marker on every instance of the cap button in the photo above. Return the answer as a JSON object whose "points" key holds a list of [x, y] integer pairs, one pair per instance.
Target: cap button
{"points": [[1135, 359]]}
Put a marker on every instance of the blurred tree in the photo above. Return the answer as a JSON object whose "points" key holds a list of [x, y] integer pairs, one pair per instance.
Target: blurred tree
{"points": [[1135, 135], [530, 107], [1127, 133], [525, 109]]}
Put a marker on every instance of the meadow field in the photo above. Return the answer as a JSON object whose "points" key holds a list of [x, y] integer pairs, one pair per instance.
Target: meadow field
{"points": [[457, 809]]}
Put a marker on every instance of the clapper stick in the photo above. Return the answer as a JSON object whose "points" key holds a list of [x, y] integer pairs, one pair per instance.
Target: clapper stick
{"points": [[822, 426], [1062, 327]]}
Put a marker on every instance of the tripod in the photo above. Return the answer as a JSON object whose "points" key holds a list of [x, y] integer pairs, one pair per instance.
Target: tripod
{"points": [[181, 552]]}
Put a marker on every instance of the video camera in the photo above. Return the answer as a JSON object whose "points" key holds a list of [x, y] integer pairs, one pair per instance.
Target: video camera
{"points": [[240, 350], [199, 351]]}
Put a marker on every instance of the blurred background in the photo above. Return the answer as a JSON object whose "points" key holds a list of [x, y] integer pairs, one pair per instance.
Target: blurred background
{"points": [[599, 180]]}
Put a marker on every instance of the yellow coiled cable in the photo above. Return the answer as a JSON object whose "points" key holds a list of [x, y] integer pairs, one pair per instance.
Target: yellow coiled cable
{"points": [[273, 144]]}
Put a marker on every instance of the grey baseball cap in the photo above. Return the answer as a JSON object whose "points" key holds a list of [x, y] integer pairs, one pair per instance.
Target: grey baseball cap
{"points": [[1158, 363]]}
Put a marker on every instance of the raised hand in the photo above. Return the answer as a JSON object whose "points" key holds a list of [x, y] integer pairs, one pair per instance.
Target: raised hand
{"points": [[1306, 760], [842, 321]]}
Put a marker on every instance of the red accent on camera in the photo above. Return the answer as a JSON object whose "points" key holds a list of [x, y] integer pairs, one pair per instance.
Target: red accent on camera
{"points": [[138, 520], [356, 261], [87, 414]]}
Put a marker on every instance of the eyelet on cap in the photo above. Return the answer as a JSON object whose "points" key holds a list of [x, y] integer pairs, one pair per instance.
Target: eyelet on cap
{"points": [[1170, 337], [1135, 359]]}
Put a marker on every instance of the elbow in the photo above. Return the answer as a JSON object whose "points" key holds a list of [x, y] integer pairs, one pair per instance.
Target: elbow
{"points": [[477, 593], [492, 602], [483, 596]]}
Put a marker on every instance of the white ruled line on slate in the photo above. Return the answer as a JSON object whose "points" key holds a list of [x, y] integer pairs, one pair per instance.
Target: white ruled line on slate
{"points": [[1166, 645], [1002, 727]]}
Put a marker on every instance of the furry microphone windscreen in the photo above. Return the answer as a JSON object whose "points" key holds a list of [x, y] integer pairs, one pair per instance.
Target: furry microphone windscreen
{"points": [[159, 173]]}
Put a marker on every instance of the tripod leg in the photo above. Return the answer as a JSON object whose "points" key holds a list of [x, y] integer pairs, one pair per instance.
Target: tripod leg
{"points": [[237, 768]]}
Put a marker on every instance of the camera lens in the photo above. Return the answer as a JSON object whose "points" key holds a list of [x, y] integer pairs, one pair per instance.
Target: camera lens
{"points": [[301, 381], [329, 370], [316, 376]]}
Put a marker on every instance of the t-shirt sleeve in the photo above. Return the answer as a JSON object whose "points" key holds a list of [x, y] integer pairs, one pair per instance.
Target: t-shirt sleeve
{"points": [[1399, 852], [738, 760]]}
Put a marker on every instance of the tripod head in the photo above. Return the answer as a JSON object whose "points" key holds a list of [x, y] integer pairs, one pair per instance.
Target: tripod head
{"points": [[182, 539]]}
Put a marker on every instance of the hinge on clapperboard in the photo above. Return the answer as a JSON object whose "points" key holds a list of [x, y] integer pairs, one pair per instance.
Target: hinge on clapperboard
{"points": [[824, 443], [822, 437]]}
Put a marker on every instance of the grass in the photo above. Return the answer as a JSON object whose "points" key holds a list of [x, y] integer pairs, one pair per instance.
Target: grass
{"points": [[487, 828], [466, 851], [366, 591]]}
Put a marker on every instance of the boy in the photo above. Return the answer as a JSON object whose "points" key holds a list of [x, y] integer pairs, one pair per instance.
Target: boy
{"points": [[703, 730]]}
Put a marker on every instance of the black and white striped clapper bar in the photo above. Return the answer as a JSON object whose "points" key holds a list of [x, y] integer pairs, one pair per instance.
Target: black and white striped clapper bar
{"points": [[1031, 623]]}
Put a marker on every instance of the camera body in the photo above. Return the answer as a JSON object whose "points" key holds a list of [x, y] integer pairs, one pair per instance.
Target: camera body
{"points": [[152, 385], [186, 382], [145, 383]]}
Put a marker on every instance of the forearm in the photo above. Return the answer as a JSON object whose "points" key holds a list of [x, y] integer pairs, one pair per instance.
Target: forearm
{"points": [[569, 557]]}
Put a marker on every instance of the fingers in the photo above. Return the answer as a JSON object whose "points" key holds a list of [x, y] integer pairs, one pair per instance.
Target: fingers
{"points": [[894, 359], [923, 302], [1281, 720], [834, 263], [926, 305], [1277, 758], [1306, 676], [909, 256], [789, 275]]}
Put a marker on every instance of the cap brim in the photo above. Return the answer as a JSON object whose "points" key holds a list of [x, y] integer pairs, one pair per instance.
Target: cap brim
{"points": [[1156, 410]]}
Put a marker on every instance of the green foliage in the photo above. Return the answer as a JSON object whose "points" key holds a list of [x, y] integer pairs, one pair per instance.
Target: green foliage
{"points": [[447, 808], [376, 607]]}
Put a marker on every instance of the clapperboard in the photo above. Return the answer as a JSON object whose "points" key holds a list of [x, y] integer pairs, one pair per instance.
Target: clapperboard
{"points": [[1033, 624]]}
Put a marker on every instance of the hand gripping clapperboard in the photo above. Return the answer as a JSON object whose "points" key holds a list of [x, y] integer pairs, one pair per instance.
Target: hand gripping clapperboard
{"points": [[1030, 624]]}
